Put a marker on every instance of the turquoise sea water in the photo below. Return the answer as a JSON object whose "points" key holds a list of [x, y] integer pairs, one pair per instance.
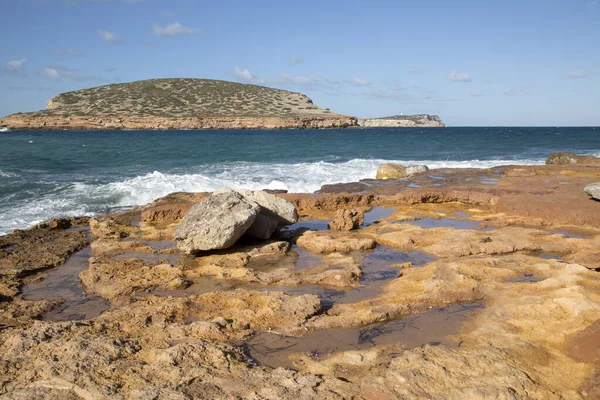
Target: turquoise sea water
{"points": [[45, 174]]}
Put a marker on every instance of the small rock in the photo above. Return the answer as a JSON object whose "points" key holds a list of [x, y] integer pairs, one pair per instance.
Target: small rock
{"points": [[346, 220], [397, 171], [562, 158], [593, 190], [107, 228], [303, 306]]}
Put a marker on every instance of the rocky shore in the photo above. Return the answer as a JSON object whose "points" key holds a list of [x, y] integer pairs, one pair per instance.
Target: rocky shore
{"points": [[28, 121], [446, 284]]}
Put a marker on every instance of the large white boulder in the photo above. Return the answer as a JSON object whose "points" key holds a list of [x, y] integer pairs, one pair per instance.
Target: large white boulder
{"points": [[216, 222], [593, 190]]}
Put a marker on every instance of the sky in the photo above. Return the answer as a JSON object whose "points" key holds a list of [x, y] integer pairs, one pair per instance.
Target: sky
{"points": [[473, 62]]}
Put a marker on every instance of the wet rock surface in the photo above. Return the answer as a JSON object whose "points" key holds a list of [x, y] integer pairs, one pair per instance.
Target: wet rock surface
{"points": [[570, 158], [460, 287], [397, 171], [24, 252], [346, 220]]}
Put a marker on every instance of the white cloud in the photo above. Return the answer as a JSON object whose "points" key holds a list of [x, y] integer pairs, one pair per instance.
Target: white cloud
{"points": [[358, 82], [14, 66], [173, 29], [244, 75], [509, 92], [286, 79], [416, 70], [109, 36], [459, 77], [51, 73], [332, 81], [66, 52], [56, 73], [477, 94], [296, 60], [577, 75], [389, 95]]}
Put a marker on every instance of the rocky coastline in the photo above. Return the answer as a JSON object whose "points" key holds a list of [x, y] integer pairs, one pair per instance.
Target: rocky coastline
{"points": [[403, 121], [26, 121], [446, 284]]}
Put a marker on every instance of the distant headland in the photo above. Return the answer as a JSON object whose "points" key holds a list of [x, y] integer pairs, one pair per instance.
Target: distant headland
{"points": [[182, 103]]}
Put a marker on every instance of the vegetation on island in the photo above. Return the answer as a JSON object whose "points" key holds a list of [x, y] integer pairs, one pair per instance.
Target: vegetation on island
{"points": [[182, 98]]}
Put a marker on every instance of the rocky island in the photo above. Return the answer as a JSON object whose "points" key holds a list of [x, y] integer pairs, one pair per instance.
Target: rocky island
{"points": [[445, 284], [403, 121], [179, 103]]}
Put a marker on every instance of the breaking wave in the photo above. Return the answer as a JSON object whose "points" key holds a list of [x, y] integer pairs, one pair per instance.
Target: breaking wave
{"points": [[90, 198]]}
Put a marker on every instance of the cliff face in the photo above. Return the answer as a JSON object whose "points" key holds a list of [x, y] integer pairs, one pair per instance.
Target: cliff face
{"points": [[25, 121], [403, 121]]}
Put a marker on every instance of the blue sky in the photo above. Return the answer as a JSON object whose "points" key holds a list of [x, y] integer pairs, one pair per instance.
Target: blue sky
{"points": [[473, 62]]}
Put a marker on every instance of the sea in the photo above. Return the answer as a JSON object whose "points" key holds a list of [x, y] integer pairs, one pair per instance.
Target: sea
{"points": [[45, 174]]}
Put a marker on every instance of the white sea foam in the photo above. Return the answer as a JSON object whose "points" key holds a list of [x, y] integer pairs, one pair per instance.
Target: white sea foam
{"points": [[89, 199], [7, 174]]}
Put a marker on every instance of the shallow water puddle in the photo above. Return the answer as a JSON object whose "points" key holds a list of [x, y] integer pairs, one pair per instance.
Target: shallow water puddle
{"points": [[63, 283], [525, 278], [433, 326], [546, 255], [375, 214], [305, 259], [574, 234], [448, 223], [310, 224], [461, 214], [377, 271]]}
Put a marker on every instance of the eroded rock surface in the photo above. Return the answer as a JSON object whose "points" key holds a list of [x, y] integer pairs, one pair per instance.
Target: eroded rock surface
{"points": [[397, 171], [570, 158], [24, 252], [327, 242], [346, 220], [531, 266]]}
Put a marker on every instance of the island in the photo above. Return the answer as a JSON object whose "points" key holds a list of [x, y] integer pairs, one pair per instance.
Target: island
{"points": [[403, 121], [184, 103]]}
